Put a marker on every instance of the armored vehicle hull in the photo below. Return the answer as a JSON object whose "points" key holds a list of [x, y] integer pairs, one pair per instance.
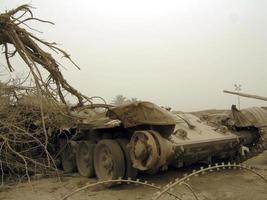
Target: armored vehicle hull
{"points": [[142, 136]]}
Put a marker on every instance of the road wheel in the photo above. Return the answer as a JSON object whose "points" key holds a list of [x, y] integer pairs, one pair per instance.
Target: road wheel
{"points": [[84, 158], [108, 160], [130, 172], [68, 158]]}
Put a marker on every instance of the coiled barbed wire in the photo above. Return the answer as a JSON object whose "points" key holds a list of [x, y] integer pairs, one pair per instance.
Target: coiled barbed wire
{"points": [[119, 181], [169, 186], [203, 170]]}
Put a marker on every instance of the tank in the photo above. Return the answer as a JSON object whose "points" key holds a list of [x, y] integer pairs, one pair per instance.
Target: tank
{"points": [[254, 118], [138, 137]]}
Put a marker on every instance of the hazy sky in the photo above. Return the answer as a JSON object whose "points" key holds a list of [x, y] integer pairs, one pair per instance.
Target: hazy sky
{"points": [[175, 53]]}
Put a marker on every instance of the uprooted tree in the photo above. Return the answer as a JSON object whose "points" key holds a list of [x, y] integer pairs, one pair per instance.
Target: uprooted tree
{"points": [[28, 48], [29, 115]]}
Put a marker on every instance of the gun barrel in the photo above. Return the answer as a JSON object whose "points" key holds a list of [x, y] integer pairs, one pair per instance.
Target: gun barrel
{"points": [[246, 95]]}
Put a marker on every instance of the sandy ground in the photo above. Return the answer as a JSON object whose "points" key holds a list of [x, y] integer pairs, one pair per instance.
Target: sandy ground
{"points": [[217, 185]]}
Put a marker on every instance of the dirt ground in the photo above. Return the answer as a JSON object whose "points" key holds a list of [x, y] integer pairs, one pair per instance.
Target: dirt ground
{"points": [[225, 184]]}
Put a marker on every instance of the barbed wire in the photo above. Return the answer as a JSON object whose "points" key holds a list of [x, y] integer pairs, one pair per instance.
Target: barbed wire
{"points": [[119, 181], [180, 182], [202, 170]]}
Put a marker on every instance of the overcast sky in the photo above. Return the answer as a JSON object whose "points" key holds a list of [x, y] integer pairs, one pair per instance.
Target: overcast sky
{"points": [[174, 53]]}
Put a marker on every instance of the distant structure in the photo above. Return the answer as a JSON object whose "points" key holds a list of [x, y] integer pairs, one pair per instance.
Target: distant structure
{"points": [[238, 89]]}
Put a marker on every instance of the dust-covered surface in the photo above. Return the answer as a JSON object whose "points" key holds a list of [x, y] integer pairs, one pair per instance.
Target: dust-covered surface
{"points": [[37, 121], [225, 184]]}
